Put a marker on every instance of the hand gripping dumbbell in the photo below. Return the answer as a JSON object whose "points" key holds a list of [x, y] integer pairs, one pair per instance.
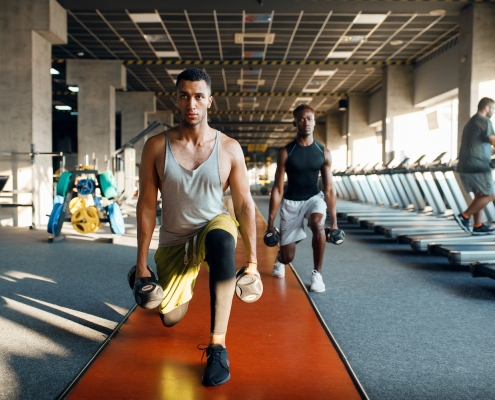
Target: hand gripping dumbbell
{"points": [[148, 293], [335, 236], [271, 237]]}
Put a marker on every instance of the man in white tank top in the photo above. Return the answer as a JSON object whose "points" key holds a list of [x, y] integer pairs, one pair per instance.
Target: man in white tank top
{"points": [[185, 165]]}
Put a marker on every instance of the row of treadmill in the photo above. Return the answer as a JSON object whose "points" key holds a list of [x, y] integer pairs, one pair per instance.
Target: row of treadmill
{"points": [[415, 203]]}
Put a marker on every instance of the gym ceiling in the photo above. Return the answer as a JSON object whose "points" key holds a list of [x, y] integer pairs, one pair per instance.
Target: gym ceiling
{"points": [[264, 57]]}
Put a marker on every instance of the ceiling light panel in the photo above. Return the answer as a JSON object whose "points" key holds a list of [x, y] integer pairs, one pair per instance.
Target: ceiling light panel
{"points": [[145, 18], [167, 54], [157, 38], [250, 82], [254, 38], [354, 39], [371, 19], [339, 54]]}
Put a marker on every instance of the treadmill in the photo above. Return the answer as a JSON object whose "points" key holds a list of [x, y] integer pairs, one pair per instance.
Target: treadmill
{"points": [[483, 269], [464, 254]]}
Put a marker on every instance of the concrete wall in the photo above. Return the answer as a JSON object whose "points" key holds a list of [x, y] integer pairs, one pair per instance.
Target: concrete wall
{"points": [[361, 139], [398, 90], [477, 59], [375, 106], [335, 142], [437, 76]]}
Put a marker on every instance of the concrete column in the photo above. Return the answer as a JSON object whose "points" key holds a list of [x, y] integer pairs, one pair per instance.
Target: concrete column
{"points": [[97, 81], [398, 92], [477, 59], [134, 108], [164, 116], [335, 141], [362, 140], [28, 29]]}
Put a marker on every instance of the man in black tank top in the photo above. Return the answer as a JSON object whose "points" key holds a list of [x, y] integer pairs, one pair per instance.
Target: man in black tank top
{"points": [[303, 160]]}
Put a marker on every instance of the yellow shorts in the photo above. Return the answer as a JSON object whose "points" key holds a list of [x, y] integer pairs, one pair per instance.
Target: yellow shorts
{"points": [[177, 272]]}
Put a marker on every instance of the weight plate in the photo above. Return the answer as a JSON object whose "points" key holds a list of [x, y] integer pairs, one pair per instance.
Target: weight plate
{"points": [[100, 216], [85, 186], [76, 203], [108, 184], [116, 219], [58, 199], [85, 220], [54, 217], [63, 183]]}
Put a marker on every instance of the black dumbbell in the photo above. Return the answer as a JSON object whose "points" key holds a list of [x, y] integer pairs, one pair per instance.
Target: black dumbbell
{"points": [[335, 236], [271, 237], [148, 293]]}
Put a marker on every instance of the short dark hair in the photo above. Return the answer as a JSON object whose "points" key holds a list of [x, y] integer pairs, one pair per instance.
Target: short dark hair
{"points": [[301, 107], [194, 75], [485, 101]]}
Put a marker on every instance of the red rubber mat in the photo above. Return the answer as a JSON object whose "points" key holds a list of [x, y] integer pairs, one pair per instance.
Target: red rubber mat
{"points": [[277, 347]]}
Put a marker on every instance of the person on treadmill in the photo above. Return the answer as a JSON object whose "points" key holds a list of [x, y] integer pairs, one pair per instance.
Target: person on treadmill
{"points": [[474, 169], [303, 160]]}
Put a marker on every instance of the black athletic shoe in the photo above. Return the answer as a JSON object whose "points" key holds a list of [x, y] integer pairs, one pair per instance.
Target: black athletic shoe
{"points": [[217, 365], [463, 222], [483, 230]]}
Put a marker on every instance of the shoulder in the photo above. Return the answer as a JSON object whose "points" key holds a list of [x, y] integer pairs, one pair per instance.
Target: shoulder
{"points": [[230, 146], [156, 143]]}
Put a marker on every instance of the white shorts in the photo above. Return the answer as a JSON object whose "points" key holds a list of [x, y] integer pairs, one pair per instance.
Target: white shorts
{"points": [[292, 214]]}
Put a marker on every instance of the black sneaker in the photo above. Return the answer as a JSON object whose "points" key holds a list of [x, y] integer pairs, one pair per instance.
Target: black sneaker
{"points": [[463, 222], [217, 365], [483, 230]]}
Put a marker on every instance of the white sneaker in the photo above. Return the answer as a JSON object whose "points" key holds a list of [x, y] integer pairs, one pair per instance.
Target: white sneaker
{"points": [[317, 284], [278, 269]]}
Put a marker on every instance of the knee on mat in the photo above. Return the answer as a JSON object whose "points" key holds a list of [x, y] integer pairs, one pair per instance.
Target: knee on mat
{"points": [[285, 259], [174, 317]]}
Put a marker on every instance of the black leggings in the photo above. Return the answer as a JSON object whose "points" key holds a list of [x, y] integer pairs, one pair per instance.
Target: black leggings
{"points": [[220, 247]]}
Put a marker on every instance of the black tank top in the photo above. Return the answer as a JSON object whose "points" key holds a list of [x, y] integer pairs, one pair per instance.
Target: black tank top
{"points": [[303, 167]]}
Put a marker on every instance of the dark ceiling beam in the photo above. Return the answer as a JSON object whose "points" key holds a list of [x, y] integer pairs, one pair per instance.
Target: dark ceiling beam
{"points": [[241, 63]]}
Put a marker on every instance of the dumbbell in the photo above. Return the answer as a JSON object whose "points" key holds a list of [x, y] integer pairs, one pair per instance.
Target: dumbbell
{"points": [[335, 236], [148, 293], [271, 237]]}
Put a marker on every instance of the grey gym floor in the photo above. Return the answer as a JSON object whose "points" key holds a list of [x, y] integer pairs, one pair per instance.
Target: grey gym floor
{"points": [[59, 302], [410, 325]]}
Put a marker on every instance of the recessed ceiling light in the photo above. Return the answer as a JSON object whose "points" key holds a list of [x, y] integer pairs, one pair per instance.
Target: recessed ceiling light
{"points": [[174, 71], [254, 38], [167, 54], [145, 18], [354, 39], [63, 108], [74, 89], [437, 12], [122, 39], [248, 105], [250, 82], [397, 42], [339, 54], [80, 54], [53, 71], [156, 38], [324, 73], [369, 18]]}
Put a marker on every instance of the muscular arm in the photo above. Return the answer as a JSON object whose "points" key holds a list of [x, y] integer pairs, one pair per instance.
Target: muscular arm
{"points": [[243, 204], [278, 188], [146, 206], [329, 189]]}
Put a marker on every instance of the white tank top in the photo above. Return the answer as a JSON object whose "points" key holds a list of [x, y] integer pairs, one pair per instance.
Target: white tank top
{"points": [[190, 199]]}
